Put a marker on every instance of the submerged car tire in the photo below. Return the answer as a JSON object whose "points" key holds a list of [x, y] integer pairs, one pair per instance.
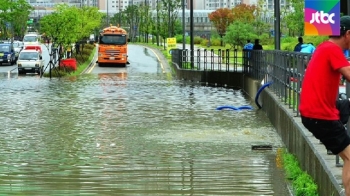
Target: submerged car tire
{"points": [[41, 71], [21, 72]]}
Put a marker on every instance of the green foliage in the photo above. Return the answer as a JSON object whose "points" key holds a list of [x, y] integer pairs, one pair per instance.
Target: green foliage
{"points": [[303, 184], [16, 14], [179, 38], [294, 20], [83, 60], [215, 42], [238, 33], [316, 40], [68, 24], [197, 40], [90, 18]]}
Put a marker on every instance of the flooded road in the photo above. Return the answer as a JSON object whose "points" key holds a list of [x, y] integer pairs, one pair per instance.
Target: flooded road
{"points": [[132, 131]]}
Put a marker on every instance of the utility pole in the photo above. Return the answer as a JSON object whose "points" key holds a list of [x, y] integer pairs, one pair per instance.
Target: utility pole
{"points": [[169, 21], [277, 25], [183, 25], [107, 13], [191, 34], [157, 23]]}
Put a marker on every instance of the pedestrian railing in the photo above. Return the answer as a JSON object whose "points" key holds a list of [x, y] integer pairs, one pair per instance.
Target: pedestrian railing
{"points": [[285, 69]]}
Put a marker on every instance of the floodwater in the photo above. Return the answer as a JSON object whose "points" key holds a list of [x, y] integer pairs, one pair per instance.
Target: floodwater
{"points": [[132, 134]]}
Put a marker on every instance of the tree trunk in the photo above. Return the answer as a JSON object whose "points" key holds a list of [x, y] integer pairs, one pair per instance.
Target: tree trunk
{"points": [[221, 42]]}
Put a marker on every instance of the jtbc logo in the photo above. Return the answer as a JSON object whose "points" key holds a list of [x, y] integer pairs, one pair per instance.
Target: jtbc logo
{"points": [[322, 18]]}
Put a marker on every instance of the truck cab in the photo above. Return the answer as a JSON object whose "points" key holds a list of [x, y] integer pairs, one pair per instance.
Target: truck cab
{"points": [[7, 54], [112, 46], [30, 61]]}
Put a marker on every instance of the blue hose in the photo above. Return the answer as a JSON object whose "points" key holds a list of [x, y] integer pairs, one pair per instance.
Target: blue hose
{"points": [[246, 107], [258, 93]]}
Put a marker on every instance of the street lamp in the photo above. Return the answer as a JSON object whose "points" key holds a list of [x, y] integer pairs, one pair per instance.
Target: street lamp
{"points": [[183, 25]]}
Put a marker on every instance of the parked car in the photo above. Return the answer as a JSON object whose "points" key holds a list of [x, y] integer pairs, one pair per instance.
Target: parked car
{"points": [[7, 54], [30, 61]]}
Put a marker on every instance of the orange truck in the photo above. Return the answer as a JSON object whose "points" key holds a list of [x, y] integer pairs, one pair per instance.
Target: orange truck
{"points": [[112, 46]]}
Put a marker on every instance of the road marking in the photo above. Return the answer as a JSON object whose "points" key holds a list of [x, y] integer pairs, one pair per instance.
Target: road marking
{"points": [[9, 72], [161, 64], [91, 68]]}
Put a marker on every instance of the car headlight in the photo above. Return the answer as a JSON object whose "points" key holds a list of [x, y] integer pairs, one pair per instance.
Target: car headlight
{"points": [[19, 65]]}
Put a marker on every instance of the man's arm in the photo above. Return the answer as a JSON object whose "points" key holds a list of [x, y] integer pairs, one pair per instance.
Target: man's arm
{"points": [[345, 71]]}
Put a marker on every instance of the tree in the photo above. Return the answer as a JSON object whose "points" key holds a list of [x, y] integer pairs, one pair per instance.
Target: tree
{"points": [[67, 25], [132, 19], [172, 7], [244, 12], [163, 26], [14, 16], [18, 16], [295, 18], [260, 24], [90, 18], [64, 25], [238, 33], [221, 19]]}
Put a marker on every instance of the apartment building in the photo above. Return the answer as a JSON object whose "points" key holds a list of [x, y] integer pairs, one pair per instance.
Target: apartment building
{"points": [[51, 3], [115, 6]]}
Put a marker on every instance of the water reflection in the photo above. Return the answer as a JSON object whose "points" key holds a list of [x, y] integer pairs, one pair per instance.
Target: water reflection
{"points": [[131, 134]]}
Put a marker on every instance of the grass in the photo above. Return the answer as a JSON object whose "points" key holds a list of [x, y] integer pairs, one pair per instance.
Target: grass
{"points": [[302, 183], [84, 65]]}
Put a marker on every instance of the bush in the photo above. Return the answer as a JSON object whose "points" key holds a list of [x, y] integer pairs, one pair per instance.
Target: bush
{"points": [[197, 40], [89, 46], [215, 42], [179, 38], [204, 42], [316, 40], [288, 46]]}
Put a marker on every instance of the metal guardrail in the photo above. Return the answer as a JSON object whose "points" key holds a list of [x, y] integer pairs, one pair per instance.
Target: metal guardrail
{"points": [[285, 69]]}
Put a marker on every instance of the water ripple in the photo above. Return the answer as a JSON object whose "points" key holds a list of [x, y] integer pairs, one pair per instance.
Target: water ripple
{"points": [[140, 135]]}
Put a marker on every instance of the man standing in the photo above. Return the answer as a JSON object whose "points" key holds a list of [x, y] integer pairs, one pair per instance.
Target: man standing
{"points": [[320, 88], [248, 46], [257, 45], [297, 47]]}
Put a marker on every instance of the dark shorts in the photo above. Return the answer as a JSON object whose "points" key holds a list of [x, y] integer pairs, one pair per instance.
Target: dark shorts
{"points": [[331, 133]]}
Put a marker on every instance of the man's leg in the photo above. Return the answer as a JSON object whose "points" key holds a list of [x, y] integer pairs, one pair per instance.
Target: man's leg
{"points": [[345, 155]]}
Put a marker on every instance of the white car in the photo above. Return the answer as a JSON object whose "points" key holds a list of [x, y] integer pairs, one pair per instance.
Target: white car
{"points": [[30, 61], [31, 39]]}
